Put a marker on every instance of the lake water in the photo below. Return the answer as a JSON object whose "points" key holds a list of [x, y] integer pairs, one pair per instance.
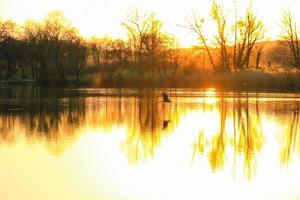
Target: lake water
{"points": [[126, 144]]}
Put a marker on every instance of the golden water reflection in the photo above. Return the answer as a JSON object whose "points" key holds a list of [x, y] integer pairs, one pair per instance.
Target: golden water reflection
{"points": [[106, 146]]}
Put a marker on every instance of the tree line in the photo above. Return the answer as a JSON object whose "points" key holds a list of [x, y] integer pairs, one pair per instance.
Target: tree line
{"points": [[53, 50], [43, 51]]}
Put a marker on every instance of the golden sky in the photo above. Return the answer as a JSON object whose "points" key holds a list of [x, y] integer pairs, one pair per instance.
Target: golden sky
{"points": [[103, 17]]}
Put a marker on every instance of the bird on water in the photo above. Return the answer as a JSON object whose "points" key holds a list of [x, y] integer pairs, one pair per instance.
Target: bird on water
{"points": [[165, 97]]}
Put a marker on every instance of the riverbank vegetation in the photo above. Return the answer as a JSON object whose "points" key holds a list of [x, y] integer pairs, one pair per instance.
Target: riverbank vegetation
{"points": [[238, 56]]}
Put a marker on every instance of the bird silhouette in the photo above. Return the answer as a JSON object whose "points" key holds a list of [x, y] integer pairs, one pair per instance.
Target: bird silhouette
{"points": [[165, 97], [165, 124]]}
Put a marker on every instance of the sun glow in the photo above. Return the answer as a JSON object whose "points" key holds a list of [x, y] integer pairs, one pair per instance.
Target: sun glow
{"points": [[104, 17]]}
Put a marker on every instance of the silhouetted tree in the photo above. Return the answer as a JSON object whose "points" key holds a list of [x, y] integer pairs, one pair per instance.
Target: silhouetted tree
{"points": [[258, 50], [195, 24], [218, 15], [95, 48], [250, 30], [246, 33], [9, 46], [151, 46], [54, 48], [33, 39], [290, 36]]}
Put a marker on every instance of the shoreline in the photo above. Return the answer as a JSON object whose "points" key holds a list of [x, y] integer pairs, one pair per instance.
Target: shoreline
{"points": [[21, 83]]}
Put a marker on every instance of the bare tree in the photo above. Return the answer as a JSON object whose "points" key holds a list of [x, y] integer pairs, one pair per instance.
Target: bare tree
{"points": [[56, 30], [290, 36], [218, 15], [32, 37], [195, 24], [54, 48], [95, 47], [258, 50], [246, 33], [9, 51], [250, 31], [120, 53], [75, 53], [138, 26], [151, 45]]}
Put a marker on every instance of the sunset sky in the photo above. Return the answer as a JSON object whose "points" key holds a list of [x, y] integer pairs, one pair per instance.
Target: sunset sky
{"points": [[100, 17]]}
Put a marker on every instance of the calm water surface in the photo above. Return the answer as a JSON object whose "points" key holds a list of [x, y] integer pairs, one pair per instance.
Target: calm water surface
{"points": [[127, 144]]}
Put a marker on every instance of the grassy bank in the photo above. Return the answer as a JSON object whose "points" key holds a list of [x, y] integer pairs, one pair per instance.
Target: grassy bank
{"points": [[258, 80]]}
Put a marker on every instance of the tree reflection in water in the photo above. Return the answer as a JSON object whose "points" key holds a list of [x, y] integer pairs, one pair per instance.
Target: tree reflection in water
{"points": [[291, 140], [230, 127]]}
